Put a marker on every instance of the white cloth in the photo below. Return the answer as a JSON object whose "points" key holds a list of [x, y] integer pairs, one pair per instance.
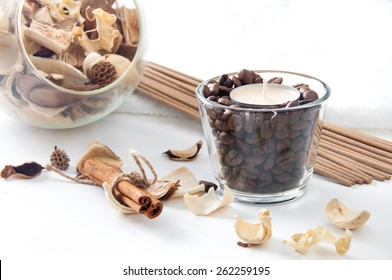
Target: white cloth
{"points": [[343, 43]]}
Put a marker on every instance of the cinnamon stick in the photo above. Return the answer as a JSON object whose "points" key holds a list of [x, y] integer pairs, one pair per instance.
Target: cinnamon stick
{"points": [[138, 199], [331, 174]]}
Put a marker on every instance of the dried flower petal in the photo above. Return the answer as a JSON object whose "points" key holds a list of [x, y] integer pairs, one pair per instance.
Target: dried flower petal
{"points": [[209, 202], [255, 233], [27, 170], [185, 155], [303, 241], [342, 216], [100, 153]]}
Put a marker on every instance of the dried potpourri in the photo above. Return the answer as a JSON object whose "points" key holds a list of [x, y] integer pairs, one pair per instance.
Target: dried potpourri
{"points": [[80, 45]]}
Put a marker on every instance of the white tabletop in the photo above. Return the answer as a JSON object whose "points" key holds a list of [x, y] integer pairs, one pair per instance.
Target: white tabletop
{"points": [[51, 217]]}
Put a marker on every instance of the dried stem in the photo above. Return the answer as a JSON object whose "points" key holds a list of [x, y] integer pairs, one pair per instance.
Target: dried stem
{"points": [[86, 182]]}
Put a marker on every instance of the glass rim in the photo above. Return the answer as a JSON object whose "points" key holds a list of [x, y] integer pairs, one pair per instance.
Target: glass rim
{"points": [[200, 96]]}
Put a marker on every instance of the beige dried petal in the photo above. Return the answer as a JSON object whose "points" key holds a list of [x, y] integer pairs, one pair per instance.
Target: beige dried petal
{"points": [[72, 76], [100, 153], [114, 202], [302, 242], [343, 217], [11, 60], [256, 233], [163, 189], [43, 15], [343, 244], [109, 38], [185, 155], [209, 202], [188, 181]]}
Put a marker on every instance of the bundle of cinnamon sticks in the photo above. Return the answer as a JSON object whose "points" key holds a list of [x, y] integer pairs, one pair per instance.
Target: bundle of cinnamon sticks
{"points": [[345, 155]]}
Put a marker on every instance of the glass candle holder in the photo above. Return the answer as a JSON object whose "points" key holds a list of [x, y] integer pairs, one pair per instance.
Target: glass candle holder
{"points": [[33, 76], [264, 155]]}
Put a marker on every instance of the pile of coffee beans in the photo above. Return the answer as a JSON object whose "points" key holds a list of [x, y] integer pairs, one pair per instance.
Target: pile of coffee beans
{"points": [[261, 151]]}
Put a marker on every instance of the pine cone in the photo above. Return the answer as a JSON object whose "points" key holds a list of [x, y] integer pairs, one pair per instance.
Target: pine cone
{"points": [[59, 159], [103, 73]]}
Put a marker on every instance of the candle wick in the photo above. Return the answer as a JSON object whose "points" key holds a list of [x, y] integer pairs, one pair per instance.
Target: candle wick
{"points": [[264, 90]]}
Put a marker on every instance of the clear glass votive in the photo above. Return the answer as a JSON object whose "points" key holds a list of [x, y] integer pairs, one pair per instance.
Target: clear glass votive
{"points": [[264, 155]]}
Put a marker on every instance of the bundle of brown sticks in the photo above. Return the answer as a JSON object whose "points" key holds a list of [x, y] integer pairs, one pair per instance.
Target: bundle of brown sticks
{"points": [[345, 155]]}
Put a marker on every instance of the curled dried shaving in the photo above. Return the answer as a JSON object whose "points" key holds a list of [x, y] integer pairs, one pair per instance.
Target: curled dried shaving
{"points": [[343, 217], [109, 38], [255, 233], [209, 202], [185, 155], [302, 242]]}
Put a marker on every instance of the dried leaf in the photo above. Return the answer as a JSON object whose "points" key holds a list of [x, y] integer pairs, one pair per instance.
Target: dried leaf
{"points": [[100, 153], [185, 155], [343, 217], [27, 170], [255, 233], [302, 242], [209, 202]]}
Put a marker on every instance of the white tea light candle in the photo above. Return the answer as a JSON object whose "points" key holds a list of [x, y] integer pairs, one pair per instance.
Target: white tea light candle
{"points": [[263, 94]]}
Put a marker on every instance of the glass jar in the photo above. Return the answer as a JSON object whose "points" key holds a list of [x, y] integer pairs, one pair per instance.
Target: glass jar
{"points": [[265, 155], [56, 89]]}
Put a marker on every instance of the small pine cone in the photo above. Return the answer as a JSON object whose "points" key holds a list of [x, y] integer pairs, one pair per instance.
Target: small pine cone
{"points": [[59, 159], [103, 73]]}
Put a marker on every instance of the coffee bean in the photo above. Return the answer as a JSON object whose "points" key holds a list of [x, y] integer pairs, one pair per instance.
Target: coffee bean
{"points": [[293, 103], [245, 76], [269, 162], [252, 138], [222, 125], [282, 178], [223, 90], [243, 146], [299, 125], [227, 114], [265, 176], [282, 134], [222, 79], [283, 145], [234, 158], [224, 100], [254, 158], [235, 122], [309, 94], [249, 122], [236, 81], [269, 147], [206, 91], [250, 172], [297, 144], [267, 131], [276, 80], [228, 83], [214, 88], [226, 138]]}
